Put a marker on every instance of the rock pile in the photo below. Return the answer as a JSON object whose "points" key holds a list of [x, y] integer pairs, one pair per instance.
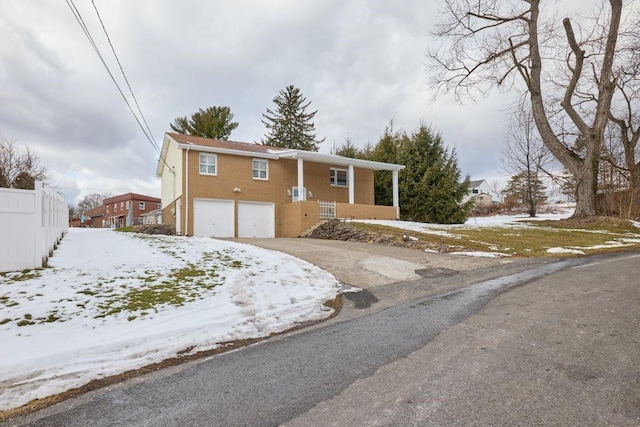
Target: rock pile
{"points": [[166, 229], [338, 230]]}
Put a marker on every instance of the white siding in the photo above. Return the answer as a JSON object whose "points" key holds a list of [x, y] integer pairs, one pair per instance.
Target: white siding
{"points": [[31, 223], [171, 179]]}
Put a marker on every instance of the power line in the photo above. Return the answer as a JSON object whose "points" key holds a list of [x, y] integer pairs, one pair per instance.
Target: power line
{"points": [[85, 29], [123, 73]]}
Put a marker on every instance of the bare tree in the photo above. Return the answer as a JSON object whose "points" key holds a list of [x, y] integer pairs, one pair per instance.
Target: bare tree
{"points": [[524, 154], [505, 42], [19, 168], [622, 152], [91, 201]]}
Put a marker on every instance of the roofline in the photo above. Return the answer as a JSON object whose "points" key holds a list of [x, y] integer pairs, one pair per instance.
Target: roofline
{"points": [[336, 160], [331, 159], [218, 150]]}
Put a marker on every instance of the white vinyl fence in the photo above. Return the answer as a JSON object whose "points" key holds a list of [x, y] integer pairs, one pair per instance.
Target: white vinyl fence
{"points": [[32, 222]]}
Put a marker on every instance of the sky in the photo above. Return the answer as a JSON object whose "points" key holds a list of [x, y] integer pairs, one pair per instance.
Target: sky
{"points": [[361, 64]]}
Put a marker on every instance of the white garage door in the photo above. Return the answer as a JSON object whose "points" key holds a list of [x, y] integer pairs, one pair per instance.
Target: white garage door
{"points": [[213, 218], [256, 219]]}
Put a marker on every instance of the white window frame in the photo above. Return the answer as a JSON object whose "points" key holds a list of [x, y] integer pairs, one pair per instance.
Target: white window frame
{"points": [[207, 164], [333, 177], [127, 204], [294, 194], [256, 169], [141, 206]]}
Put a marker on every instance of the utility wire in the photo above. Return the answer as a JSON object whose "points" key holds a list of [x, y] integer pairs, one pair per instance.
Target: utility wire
{"points": [[123, 73], [78, 16]]}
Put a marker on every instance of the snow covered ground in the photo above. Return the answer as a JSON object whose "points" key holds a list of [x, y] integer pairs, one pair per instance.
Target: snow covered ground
{"points": [[503, 221], [114, 301]]}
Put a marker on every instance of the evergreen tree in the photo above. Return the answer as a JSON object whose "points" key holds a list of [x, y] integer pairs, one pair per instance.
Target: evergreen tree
{"points": [[348, 149], [214, 122], [290, 125], [430, 186], [386, 150], [528, 190]]}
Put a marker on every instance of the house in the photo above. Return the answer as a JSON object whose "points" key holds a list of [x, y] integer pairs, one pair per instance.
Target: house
{"points": [[153, 217], [234, 189], [127, 209], [480, 193], [95, 218]]}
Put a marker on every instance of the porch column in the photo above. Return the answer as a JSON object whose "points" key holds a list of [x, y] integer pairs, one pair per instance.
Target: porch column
{"points": [[352, 186], [396, 202], [301, 195]]}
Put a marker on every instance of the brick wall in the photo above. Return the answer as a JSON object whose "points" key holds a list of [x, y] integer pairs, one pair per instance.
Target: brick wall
{"points": [[235, 172], [345, 210]]}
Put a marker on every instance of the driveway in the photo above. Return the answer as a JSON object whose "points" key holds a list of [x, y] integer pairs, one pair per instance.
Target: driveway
{"points": [[391, 275]]}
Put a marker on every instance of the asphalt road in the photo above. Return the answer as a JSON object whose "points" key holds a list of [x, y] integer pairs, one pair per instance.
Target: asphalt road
{"points": [[284, 378]]}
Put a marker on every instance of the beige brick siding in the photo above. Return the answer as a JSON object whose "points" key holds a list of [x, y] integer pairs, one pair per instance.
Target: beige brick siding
{"points": [[345, 210], [235, 172]]}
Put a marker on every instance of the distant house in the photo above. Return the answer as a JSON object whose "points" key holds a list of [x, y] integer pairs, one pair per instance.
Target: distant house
{"points": [[480, 193], [234, 189], [153, 217], [128, 209], [94, 218]]}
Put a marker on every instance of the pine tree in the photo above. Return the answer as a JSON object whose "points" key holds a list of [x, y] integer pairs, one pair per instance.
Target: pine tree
{"points": [[386, 150], [528, 190], [430, 186], [290, 126], [214, 122]]}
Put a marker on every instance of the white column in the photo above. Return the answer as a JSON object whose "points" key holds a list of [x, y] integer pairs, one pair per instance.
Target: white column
{"points": [[352, 186], [301, 195], [396, 198]]}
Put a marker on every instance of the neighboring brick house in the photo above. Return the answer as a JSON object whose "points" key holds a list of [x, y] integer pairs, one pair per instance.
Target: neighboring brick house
{"points": [[127, 209], [95, 218], [235, 189]]}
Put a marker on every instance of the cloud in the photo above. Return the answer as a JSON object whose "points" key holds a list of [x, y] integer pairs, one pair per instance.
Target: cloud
{"points": [[360, 63]]}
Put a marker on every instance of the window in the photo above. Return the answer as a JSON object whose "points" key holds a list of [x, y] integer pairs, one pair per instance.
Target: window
{"points": [[107, 208], [339, 177], [115, 207], [141, 206], [294, 194], [475, 191], [260, 169], [208, 164], [127, 204]]}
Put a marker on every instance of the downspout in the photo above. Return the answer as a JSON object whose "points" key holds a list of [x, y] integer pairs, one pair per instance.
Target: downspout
{"points": [[186, 215]]}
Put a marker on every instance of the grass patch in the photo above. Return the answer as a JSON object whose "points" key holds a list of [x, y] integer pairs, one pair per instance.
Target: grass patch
{"points": [[127, 229], [527, 239]]}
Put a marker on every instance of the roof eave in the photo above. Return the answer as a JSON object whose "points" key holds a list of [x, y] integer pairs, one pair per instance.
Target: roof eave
{"points": [[332, 159], [217, 150]]}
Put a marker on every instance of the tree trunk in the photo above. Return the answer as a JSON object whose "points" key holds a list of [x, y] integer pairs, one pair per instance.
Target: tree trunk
{"points": [[585, 189]]}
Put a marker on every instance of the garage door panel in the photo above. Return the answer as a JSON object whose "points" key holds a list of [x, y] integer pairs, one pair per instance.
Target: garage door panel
{"points": [[256, 219], [213, 218]]}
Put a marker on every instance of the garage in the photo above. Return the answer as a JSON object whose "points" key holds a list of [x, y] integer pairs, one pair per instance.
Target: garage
{"points": [[256, 219], [213, 218]]}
